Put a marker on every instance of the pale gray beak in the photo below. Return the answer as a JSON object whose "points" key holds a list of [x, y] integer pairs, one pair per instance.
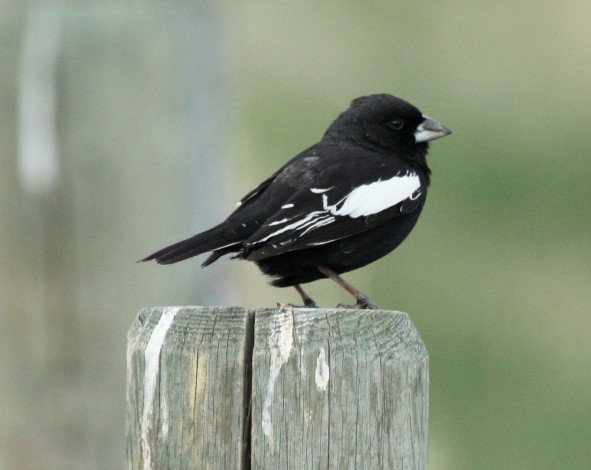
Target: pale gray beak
{"points": [[430, 129]]}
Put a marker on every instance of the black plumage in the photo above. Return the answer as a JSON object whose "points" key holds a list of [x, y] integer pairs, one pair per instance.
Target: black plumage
{"points": [[337, 206]]}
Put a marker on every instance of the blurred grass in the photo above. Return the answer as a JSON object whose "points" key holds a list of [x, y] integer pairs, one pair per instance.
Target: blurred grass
{"points": [[497, 273]]}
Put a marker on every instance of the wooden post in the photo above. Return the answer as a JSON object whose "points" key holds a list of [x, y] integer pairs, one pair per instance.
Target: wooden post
{"points": [[238, 388]]}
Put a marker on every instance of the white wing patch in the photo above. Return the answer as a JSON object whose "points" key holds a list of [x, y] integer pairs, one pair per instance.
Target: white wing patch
{"points": [[369, 199], [320, 190], [363, 201], [312, 221]]}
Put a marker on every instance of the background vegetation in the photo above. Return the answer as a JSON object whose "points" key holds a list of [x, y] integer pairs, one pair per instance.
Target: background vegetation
{"points": [[496, 276]]}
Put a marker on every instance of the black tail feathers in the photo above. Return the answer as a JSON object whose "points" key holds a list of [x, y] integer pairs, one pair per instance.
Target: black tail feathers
{"points": [[210, 240], [175, 253]]}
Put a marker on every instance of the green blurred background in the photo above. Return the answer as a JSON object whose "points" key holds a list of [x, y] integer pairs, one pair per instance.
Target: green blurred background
{"points": [[164, 115]]}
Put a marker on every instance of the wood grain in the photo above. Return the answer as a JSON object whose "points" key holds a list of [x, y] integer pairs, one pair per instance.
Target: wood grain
{"points": [[276, 388]]}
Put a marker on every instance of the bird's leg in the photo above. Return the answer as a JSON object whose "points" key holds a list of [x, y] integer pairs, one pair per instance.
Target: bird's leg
{"points": [[362, 301], [308, 301]]}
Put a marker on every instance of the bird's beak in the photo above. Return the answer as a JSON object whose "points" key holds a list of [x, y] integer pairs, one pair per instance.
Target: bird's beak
{"points": [[430, 129]]}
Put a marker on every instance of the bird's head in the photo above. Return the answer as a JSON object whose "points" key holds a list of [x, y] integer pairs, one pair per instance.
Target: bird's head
{"points": [[386, 123]]}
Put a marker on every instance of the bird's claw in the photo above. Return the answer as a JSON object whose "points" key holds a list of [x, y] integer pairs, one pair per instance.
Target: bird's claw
{"points": [[363, 303]]}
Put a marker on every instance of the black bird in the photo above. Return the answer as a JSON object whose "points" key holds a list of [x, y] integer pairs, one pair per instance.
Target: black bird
{"points": [[339, 205]]}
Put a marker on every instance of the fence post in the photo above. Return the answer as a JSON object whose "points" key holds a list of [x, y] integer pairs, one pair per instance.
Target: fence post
{"points": [[274, 388]]}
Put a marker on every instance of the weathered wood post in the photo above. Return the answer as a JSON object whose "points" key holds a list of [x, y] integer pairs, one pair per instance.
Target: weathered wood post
{"points": [[236, 388]]}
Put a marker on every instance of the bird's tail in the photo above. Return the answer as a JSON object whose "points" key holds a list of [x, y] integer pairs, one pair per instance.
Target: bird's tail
{"points": [[210, 240]]}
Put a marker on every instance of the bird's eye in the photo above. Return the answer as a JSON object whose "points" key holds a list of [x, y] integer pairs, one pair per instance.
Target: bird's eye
{"points": [[397, 124]]}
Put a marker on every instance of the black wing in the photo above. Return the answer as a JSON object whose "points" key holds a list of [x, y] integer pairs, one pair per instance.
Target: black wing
{"points": [[263, 202], [348, 196]]}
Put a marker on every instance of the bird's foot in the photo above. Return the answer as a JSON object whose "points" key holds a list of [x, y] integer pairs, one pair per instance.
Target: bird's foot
{"points": [[308, 301], [363, 303]]}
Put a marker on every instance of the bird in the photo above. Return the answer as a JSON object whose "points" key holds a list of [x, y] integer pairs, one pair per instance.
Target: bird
{"points": [[337, 206]]}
